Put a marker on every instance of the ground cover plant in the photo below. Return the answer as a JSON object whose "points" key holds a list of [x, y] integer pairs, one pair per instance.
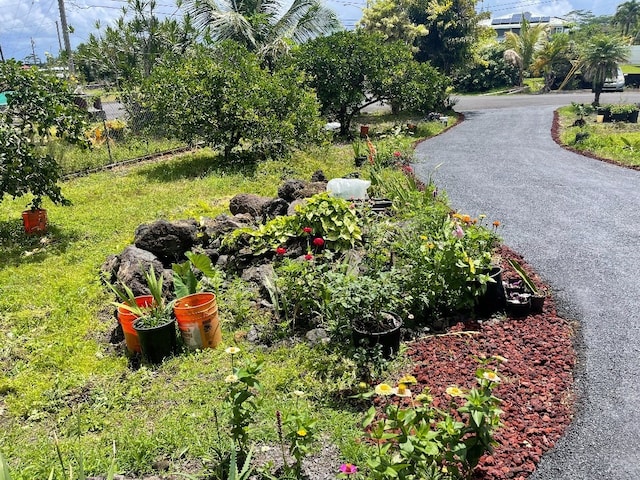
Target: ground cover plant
{"points": [[615, 141]]}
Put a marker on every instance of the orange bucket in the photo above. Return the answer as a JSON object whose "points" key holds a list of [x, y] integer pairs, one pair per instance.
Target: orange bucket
{"points": [[197, 317], [35, 221], [126, 319]]}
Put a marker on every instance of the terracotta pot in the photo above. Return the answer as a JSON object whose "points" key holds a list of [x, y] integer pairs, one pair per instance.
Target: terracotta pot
{"points": [[364, 130], [35, 221]]}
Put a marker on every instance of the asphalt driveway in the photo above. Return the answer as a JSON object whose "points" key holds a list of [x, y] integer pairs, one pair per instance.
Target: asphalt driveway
{"points": [[577, 222]]}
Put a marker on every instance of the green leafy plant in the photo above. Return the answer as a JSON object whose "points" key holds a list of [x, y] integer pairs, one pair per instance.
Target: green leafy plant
{"points": [[620, 108], [4, 469], [40, 113], [300, 431], [185, 281], [242, 388], [154, 315], [421, 441]]}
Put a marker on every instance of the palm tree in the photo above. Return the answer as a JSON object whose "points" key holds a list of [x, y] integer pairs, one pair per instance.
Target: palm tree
{"points": [[552, 56], [263, 26], [600, 58], [525, 43], [627, 16]]}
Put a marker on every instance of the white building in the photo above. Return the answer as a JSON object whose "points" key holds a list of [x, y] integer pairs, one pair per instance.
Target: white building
{"points": [[512, 22]]}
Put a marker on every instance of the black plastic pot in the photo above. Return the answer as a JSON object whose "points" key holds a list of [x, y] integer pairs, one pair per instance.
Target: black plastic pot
{"points": [[517, 308], [389, 340], [537, 303], [157, 343], [492, 300], [359, 160], [633, 117]]}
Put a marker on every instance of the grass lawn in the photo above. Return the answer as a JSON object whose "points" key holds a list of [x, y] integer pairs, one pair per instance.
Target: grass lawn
{"points": [[61, 377], [619, 142]]}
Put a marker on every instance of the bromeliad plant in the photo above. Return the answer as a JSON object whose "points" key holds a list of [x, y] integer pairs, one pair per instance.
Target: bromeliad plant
{"points": [[419, 441]]}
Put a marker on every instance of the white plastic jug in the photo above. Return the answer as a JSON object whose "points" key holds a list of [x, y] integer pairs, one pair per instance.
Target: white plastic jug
{"points": [[348, 188]]}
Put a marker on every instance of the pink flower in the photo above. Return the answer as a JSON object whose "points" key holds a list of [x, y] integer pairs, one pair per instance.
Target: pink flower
{"points": [[281, 250], [348, 469], [318, 241], [308, 256], [458, 232], [397, 154], [307, 230]]}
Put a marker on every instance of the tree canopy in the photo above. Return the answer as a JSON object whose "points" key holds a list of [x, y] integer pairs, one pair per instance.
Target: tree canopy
{"points": [[263, 26], [224, 98], [353, 69], [600, 58], [40, 112]]}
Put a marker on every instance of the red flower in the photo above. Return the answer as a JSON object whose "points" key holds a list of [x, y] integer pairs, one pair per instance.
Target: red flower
{"points": [[318, 241], [308, 256], [307, 230], [281, 250], [397, 154]]}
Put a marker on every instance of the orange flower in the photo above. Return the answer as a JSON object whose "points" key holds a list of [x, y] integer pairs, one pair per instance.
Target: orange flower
{"points": [[496, 224]]}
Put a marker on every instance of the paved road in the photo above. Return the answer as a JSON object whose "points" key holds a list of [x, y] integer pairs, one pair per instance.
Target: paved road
{"points": [[576, 221]]}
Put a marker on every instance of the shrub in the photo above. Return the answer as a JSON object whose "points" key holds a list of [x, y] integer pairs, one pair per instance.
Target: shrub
{"points": [[487, 72], [40, 113], [224, 98]]}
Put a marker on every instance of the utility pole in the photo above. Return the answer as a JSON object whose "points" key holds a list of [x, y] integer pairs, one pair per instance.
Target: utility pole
{"points": [[1, 54], [65, 36], [33, 51], [59, 41]]}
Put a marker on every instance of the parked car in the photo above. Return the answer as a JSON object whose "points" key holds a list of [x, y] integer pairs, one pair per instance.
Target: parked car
{"points": [[615, 84]]}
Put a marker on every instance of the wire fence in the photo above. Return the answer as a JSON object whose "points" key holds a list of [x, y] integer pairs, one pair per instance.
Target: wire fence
{"points": [[116, 135]]}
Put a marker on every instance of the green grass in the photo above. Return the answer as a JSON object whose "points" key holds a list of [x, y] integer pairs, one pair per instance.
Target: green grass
{"points": [[630, 68], [60, 375], [606, 140]]}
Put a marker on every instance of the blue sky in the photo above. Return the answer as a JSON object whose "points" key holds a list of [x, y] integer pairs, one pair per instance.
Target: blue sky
{"points": [[27, 25]]}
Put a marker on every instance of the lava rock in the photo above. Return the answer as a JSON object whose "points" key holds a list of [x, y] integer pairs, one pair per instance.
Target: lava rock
{"points": [[288, 189], [248, 203], [167, 240]]}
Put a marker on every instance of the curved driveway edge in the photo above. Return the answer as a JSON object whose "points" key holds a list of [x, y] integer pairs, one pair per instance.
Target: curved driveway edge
{"points": [[575, 221]]}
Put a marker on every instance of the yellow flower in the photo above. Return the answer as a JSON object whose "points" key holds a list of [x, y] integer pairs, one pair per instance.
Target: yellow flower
{"points": [[408, 380], [302, 432], [232, 350], [491, 376], [384, 389], [424, 398], [403, 391], [363, 386], [231, 378], [454, 392]]}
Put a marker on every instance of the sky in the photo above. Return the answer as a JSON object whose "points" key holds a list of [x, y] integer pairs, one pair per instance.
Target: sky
{"points": [[28, 26]]}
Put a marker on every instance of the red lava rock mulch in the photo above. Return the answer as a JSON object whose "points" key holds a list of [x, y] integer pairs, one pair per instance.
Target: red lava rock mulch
{"points": [[537, 379]]}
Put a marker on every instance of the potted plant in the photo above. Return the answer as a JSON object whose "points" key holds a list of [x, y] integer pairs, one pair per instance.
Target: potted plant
{"points": [[537, 296], [35, 218], [155, 324], [369, 306], [39, 112], [196, 311], [581, 110], [359, 155], [621, 112]]}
